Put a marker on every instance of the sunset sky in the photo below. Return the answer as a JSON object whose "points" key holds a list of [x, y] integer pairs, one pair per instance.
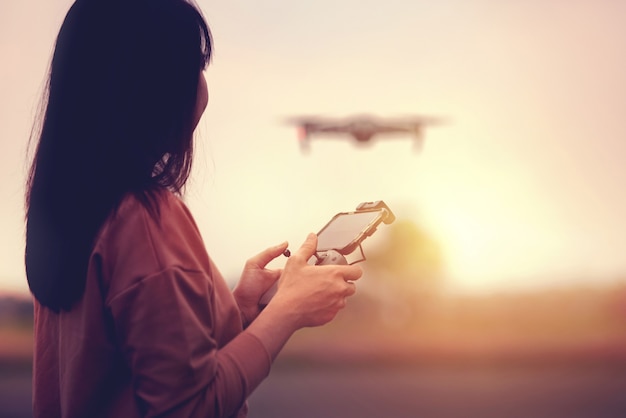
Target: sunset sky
{"points": [[525, 187]]}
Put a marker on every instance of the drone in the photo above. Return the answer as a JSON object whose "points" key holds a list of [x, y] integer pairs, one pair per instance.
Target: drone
{"points": [[362, 128]]}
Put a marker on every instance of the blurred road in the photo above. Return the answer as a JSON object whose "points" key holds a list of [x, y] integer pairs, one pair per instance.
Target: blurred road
{"points": [[442, 393], [15, 395], [408, 393]]}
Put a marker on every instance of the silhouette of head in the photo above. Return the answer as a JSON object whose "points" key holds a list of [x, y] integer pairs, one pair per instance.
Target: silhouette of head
{"points": [[121, 106]]}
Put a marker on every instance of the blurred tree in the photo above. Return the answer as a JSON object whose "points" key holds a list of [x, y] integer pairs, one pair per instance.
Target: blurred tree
{"points": [[404, 273], [16, 311]]}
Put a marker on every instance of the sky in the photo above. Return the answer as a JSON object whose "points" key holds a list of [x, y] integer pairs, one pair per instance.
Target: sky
{"points": [[523, 188]]}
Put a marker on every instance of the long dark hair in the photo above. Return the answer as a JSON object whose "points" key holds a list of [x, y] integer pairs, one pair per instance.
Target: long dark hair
{"points": [[118, 119]]}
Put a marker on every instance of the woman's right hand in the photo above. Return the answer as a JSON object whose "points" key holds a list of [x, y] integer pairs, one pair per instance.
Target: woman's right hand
{"points": [[311, 295]]}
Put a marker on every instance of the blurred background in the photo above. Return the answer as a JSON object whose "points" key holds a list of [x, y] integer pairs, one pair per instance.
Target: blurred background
{"points": [[501, 288]]}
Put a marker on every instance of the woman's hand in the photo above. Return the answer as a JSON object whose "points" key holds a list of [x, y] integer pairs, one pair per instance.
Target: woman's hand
{"points": [[307, 296], [255, 281], [312, 295]]}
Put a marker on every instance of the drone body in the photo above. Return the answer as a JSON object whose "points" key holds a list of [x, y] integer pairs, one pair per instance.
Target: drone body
{"points": [[362, 128]]}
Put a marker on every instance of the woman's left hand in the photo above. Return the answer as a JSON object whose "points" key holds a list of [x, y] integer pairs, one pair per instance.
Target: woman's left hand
{"points": [[255, 281]]}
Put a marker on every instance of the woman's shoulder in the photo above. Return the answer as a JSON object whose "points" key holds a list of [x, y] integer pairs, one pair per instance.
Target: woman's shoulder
{"points": [[156, 232], [153, 204], [160, 212]]}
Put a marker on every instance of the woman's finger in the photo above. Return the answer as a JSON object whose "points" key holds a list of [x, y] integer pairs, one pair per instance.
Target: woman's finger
{"points": [[264, 257], [308, 248]]}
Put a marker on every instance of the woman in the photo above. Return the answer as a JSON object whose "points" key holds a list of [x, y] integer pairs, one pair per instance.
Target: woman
{"points": [[131, 316]]}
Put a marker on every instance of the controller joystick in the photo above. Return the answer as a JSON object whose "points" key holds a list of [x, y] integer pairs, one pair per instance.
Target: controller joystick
{"points": [[330, 257]]}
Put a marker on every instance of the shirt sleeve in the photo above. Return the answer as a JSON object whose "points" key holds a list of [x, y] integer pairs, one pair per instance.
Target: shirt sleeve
{"points": [[177, 368], [162, 295]]}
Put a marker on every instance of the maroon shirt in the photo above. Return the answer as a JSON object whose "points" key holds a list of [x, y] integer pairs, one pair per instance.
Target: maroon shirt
{"points": [[156, 333]]}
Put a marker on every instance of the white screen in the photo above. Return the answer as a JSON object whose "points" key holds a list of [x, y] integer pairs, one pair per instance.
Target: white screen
{"points": [[344, 229]]}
